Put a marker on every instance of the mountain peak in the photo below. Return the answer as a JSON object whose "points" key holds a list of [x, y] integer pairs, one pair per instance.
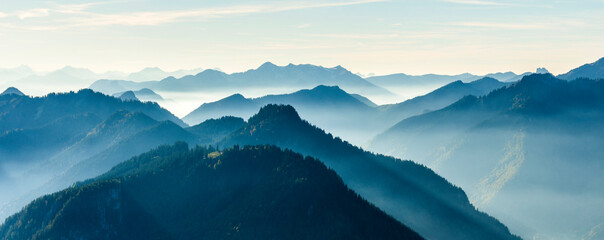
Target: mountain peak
{"points": [[275, 112], [128, 96], [267, 65], [236, 96], [151, 69], [12, 90], [327, 88], [541, 70], [486, 79], [538, 80]]}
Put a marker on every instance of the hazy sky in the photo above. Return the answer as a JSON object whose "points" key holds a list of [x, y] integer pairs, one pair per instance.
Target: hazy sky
{"points": [[367, 36]]}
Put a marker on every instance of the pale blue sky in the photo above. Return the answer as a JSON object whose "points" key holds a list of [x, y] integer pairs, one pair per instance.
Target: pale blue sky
{"points": [[367, 36]]}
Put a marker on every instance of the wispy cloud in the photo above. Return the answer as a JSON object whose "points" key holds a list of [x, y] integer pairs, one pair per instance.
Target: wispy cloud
{"points": [[33, 13], [477, 2], [510, 26], [305, 25], [355, 36], [79, 14]]}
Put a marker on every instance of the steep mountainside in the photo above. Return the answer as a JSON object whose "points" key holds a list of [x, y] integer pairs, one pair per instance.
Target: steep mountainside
{"points": [[438, 99], [411, 193], [121, 136], [23, 112], [540, 135], [249, 193], [592, 71], [12, 90], [217, 129]]}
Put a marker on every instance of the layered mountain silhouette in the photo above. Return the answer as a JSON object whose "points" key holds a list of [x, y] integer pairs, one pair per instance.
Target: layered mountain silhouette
{"points": [[268, 75], [410, 86], [23, 112], [172, 192], [540, 134], [438, 99], [71, 78], [592, 71], [121, 136], [44, 136], [411, 193], [327, 107]]}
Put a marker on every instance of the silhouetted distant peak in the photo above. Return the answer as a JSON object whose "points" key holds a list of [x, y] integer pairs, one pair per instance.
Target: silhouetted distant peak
{"points": [[12, 90], [128, 96], [152, 69], [326, 88], [541, 70], [146, 91], [267, 66], [210, 72], [236, 96], [275, 112], [486, 80]]}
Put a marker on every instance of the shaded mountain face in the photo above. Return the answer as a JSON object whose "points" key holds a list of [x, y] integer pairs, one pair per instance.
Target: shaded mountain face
{"points": [[217, 129], [327, 107], [256, 192], [121, 136], [50, 158], [43, 137], [591, 71], [268, 76], [437, 99], [411, 193], [524, 153], [12, 90]]}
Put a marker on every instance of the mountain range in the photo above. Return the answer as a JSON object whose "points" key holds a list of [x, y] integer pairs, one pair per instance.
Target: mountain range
{"points": [[428, 199], [411, 193], [97, 148], [525, 148], [540, 136], [44, 136], [437, 99], [71, 78], [350, 116], [266, 77], [328, 107]]}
